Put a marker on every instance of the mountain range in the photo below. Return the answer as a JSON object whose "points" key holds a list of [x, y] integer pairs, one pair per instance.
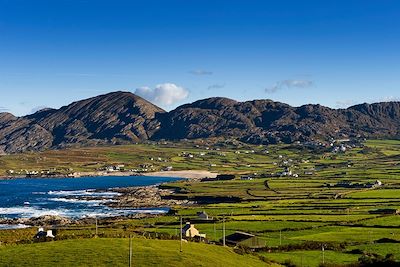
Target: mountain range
{"points": [[123, 118]]}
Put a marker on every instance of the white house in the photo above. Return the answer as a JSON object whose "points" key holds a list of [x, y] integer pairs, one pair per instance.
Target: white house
{"points": [[190, 231]]}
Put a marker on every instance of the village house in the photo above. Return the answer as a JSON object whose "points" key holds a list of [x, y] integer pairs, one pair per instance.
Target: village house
{"points": [[115, 168], [42, 234], [202, 215], [191, 232]]}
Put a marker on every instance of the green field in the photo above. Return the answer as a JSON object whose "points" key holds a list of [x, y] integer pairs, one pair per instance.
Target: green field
{"points": [[115, 252], [296, 216]]}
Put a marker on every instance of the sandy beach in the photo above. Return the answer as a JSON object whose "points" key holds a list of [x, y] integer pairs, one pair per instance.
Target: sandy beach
{"points": [[188, 174]]}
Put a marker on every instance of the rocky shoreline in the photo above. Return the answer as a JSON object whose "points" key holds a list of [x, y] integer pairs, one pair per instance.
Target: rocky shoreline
{"points": [[128, 197], [144, 197]]}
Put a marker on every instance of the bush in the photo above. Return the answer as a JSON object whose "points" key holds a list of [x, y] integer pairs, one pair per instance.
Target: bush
{"points": [[372, 260], [289, 263]]}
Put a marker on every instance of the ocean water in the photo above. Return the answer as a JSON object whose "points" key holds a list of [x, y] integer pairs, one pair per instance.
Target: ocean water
{"points": [[26, 198]]}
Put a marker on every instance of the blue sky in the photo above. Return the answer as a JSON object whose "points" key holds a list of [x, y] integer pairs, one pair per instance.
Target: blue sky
{"points": [[335, 53]]}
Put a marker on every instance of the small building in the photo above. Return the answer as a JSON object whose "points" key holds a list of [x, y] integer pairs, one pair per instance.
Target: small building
{"points": [[202, 215], [190, 231], [42, 234], [245, 240]]}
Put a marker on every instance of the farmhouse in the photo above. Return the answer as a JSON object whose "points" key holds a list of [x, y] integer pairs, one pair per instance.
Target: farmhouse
{"points": [[245, 240], [202, 215], [42, 234], [190, 231], [168, 168]]}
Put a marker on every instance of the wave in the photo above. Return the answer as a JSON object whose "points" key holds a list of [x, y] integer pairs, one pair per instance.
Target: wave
{"points": [[33, 212], [81, 201], [28, 212], [87, 192], [13, 226], [124, 212]]}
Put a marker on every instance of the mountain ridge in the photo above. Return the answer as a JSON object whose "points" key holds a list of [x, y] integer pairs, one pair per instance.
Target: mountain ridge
{"points": [[123, 118]]}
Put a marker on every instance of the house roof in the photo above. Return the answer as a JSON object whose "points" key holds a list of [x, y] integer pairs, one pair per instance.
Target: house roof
{"points": [[239, 237], [187, 227]]}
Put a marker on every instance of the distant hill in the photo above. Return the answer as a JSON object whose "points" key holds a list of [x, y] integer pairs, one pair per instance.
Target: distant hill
{"points": [[122, 117], [113, 118]]}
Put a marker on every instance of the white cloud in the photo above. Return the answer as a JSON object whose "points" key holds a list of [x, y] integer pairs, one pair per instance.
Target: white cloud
{"points": [[201, 72], [39, 108], [216, 86], [289, 84], [163, 94], [388, 99], [345, 103]]}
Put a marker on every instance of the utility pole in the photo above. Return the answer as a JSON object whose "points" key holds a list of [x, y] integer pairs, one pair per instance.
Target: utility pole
{"points": [[97, 231], [215, 232], [223, 231], [130, 251], [181, 235]]}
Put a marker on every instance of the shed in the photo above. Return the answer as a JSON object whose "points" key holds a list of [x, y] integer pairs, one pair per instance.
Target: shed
{"points": [[245, 240]]}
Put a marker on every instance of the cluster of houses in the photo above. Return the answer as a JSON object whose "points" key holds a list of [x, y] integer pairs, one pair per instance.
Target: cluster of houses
{"points": [[158, 159], [336, 145], [339, 149], [114, 168], [286, 172], [35, 173]]}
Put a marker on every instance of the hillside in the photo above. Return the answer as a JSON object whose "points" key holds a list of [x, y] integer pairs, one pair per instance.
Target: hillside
{"points": [[108, 119], [115, 252], [122, 118], [266, 121]]}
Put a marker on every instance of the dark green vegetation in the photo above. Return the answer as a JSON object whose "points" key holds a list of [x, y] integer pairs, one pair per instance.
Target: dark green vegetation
{"points": [[296, 216]]}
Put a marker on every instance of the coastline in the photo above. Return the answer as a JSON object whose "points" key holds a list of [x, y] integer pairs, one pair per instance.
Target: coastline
{"points": [[150, 196]]}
